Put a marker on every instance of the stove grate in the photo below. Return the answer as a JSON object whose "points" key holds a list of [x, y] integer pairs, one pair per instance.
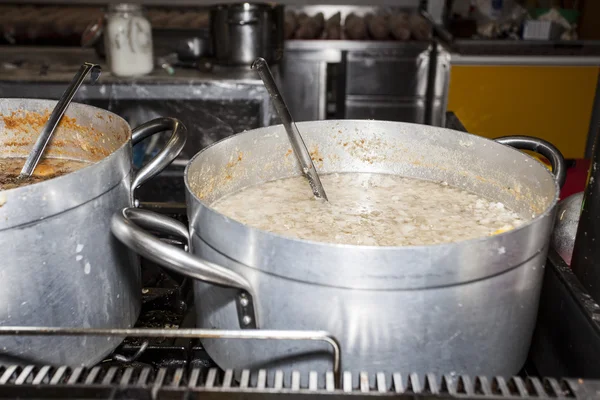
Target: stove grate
{"points": [[146, 382]]}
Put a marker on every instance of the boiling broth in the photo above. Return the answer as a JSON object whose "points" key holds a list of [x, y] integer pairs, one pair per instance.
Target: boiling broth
{"points": [[368, 209]]}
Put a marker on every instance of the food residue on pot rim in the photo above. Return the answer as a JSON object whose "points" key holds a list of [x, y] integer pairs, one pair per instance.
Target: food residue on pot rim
{"points": [[25, 125], [421, 160]]}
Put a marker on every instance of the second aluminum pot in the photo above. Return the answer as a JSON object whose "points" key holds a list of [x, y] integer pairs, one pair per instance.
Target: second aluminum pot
{"points": [[244, 32], [466, 307], [61, 267]]}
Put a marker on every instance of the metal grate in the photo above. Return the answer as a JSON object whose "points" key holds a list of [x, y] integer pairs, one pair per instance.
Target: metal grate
{"points": [[120, 382]]}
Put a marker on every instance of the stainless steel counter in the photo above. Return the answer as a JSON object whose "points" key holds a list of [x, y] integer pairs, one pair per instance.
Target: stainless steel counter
{"points": [[480, 47], [22, 67], [211, 104], [483, 59], [521, 52]]}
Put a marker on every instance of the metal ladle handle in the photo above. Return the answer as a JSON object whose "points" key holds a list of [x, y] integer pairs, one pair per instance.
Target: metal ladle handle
{"points": [[59, 110], [308, 168]]}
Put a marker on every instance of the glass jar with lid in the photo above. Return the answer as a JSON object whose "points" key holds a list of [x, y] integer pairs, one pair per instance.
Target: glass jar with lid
{"points": [[128, 40]]}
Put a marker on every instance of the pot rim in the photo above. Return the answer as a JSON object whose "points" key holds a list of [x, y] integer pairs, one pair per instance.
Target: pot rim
{"points": [[547, 211]]}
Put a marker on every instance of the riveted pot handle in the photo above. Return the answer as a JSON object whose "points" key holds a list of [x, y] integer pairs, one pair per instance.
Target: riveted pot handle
{"points": [[166, 155], [129, 226], [540, 146]]}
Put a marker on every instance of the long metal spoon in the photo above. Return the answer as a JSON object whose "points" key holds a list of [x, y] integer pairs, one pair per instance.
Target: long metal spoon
{"points": [[308, 168], [59, 110]]}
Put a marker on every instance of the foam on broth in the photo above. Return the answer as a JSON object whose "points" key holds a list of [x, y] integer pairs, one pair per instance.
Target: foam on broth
{"points": [[368, 209]]}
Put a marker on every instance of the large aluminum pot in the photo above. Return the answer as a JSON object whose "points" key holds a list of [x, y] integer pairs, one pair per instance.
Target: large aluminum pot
{"points": [[61, 267], [466, 307]]}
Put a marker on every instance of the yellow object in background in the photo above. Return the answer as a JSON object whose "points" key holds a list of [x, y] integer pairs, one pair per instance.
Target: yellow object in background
{"points": [[554, 103], [540, 158]]}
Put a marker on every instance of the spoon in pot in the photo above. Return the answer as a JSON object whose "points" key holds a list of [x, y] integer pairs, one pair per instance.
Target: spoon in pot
{"points": [[308, 168], [59, 110]]}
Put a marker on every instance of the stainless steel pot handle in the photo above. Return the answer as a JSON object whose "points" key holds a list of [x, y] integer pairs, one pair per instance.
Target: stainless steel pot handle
{"points": [[166, 155], [129, 226], [540, 146]]}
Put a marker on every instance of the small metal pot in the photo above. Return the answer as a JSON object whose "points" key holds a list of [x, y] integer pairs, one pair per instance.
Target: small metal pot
{"points": [[565, 230], [61, 267], [243, 32], [467, 307]]}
